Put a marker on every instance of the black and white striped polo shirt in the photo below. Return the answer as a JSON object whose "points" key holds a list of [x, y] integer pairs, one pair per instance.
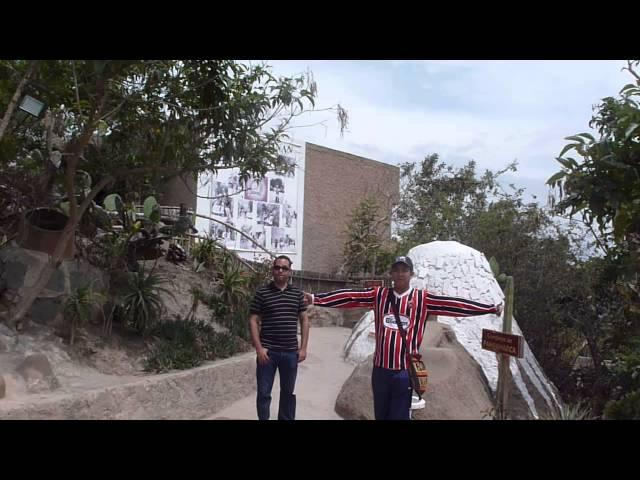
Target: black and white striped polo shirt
{"points": [[279, 311]]}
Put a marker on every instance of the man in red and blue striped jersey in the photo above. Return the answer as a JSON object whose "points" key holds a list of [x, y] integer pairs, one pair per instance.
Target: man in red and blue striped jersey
{"points": [[390, 378]]}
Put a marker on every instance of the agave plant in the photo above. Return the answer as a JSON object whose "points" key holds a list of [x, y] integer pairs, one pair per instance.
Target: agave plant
{"points": [[206, 253], [232, 284], [79, 307], [578, 411], [142, 303]]}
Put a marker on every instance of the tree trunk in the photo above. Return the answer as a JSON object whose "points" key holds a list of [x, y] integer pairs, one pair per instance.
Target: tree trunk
{"points": [[68, 235], [44, 275], [16, 97]]}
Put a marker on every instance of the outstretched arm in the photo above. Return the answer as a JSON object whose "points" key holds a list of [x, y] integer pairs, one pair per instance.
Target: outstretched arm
{"points": [[459, 307], [344, 298]]}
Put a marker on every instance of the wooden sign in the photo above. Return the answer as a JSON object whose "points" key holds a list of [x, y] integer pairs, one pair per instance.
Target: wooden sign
{"points": [[505, 343]]}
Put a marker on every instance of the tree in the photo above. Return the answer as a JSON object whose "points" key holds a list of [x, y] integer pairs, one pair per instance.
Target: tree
{"points": [[603, 186], [441, 203], [143, 122], [365, 246], [438, 201]]}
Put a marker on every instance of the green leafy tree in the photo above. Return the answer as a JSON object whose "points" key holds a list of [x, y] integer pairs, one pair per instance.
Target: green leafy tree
{"points": [[601, 183], [367, 239], [141, 123]]}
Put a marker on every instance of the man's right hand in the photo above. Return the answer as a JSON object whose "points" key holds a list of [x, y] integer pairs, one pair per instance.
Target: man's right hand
{"points": [[263, 357]]}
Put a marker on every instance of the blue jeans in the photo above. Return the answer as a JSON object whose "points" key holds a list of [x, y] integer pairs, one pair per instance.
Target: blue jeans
{"points": [[287, 365], [391, 394]]}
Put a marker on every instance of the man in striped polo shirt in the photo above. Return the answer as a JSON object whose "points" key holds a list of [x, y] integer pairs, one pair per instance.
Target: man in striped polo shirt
{"points": [[390, 377], [275, 312]]}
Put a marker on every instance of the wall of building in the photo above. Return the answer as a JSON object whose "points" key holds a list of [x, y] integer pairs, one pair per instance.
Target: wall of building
{"points": [[334, 183], [180, 190]]}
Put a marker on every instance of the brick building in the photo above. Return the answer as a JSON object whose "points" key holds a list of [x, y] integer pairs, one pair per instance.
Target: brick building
{"points": [[334, 183], [327, 185]]}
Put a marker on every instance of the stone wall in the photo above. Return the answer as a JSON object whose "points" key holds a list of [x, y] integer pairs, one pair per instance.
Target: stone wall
{"points": [[19, 269], [185, 395]]}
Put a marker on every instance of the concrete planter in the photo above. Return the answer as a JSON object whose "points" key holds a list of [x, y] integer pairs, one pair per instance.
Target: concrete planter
{"points": [[42, 229]]}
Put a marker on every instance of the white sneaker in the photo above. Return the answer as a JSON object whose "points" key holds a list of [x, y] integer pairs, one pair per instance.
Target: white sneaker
{"points": [[416, 403]]}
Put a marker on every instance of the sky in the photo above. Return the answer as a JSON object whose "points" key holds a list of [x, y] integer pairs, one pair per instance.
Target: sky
{"points": [[490, 111]]}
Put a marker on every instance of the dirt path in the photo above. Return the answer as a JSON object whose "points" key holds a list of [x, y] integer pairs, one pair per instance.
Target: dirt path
{"points": [[320, 378]]}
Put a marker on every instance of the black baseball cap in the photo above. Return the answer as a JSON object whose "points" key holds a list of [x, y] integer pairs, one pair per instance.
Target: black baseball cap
{"points": [[403, 259]]}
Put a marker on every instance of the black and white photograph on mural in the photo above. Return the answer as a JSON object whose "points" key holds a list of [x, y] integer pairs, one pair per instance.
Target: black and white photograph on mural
{"points": [[256, 190], [228, 207], [282, 240], [277, 239], [259, 208], [233, 184], [220, 189], [217, 207], [222, 207], [229, 233], [245, 209], [276, 190], [244, 242], [289, 170], [216, 230], [289, 215], [268, 214], [289, 239], [223, 234], [259, 235]]}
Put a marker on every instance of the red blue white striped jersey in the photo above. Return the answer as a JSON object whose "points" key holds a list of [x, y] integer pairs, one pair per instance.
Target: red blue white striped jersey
{"points": [[415, 305]]}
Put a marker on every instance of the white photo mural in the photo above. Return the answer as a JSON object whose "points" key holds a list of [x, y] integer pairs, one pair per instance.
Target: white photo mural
{"points": [[266, 209]]}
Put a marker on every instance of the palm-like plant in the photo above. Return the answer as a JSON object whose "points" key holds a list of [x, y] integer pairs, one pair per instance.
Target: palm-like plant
{"points": [[79, 307], [230, 291], [142, 304], [232, 284], [206, 253], [578, 411]]}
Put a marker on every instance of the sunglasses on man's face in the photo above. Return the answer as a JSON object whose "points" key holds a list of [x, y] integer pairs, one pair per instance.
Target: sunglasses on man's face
{"points": [[284, 269]]}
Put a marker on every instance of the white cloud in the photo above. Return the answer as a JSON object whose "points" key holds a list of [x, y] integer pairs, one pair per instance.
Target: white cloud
{"points": [[491, 111]]}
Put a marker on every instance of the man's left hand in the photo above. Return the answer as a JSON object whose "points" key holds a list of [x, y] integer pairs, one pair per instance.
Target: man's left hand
{"points": [[302, 354]]}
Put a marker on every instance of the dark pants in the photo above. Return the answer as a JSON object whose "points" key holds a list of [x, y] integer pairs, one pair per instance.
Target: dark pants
{"points": [[287, 365], [391, 394]]}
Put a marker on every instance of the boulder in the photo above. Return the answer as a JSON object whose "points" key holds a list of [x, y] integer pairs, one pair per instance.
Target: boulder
{"points": [[457, 388], [37, 373]]}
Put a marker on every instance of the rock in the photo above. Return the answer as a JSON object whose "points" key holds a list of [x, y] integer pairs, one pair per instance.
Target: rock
{"points": [[438, 266], [457, 387], [324, 317], [355, 400], [13, 274], [56, 283], [46, 310], [3, 346], [361, 343], [352, 316], [6, 331], [37, 373]]}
